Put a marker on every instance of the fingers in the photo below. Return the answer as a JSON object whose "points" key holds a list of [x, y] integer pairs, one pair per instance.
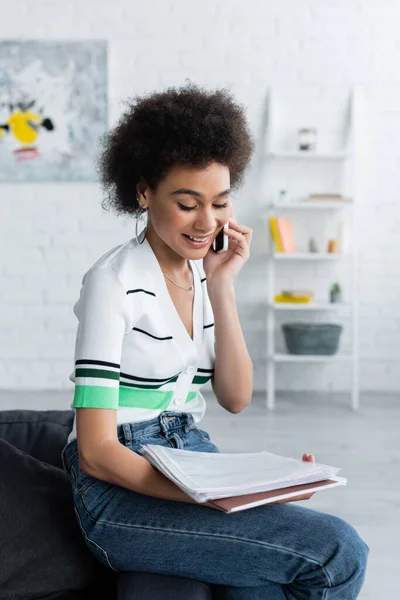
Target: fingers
{"points": [[308, 458], [240, 242], [241, 234], [236, 235], [233, 224]]}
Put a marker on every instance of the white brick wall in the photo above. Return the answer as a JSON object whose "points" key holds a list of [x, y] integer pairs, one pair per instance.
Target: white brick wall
{"points": [[52, 233]]}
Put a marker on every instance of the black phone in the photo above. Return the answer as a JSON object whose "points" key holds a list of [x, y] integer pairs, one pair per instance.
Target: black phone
{"points": [[220, 243]]}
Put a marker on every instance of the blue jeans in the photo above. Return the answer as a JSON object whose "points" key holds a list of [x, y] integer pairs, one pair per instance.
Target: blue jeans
{"points": [[275, 552]]}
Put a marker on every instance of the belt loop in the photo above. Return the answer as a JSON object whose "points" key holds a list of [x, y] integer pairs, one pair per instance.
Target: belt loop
{"points": [[126, 428], [162, 421]]}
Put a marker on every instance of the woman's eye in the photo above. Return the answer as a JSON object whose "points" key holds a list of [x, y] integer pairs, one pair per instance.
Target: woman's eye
{"points": [[183, 207]]}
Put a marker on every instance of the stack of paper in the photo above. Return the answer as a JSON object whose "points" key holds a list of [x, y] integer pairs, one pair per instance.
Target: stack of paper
{"points": [[208, 477]]}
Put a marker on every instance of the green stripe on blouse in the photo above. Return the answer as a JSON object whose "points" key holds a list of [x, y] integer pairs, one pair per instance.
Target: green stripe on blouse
{"points": [[94, 396], [200, 379], [153, 399]]}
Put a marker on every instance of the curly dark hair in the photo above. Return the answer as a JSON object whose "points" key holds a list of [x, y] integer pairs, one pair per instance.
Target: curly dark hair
{"points": [[179, 126]]}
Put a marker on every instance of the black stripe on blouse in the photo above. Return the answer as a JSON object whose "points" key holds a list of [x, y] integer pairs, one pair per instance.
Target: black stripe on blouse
{"points": [[126, 376], [140, 290], [97, 362], [152, 336]]}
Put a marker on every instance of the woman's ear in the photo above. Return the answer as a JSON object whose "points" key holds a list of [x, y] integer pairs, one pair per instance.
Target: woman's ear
{"points": [[141, 192]]}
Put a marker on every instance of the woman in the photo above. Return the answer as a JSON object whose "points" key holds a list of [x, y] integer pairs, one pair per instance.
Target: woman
{"points": [[157, 320]]}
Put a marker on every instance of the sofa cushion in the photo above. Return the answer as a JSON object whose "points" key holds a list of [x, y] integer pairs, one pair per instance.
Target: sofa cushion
{"points": [[146, 586], [42, 551], [42, 434]]}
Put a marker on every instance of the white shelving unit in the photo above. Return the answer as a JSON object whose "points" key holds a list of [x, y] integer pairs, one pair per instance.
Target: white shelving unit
{"points": [[310, 155], [277, 306], [305, 255], [288, 358], [275, 261]]}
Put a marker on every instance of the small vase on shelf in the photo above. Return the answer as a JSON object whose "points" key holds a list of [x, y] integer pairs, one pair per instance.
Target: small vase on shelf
{"points": [[313, 246], [307, 139], [335, 294]]}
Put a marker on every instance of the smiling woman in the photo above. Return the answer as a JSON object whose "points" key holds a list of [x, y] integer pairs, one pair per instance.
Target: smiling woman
{"points": [[158, 320], [185, 213]]}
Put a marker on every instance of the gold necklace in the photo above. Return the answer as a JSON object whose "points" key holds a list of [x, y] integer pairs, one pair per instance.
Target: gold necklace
{"points": [[188, 289]]}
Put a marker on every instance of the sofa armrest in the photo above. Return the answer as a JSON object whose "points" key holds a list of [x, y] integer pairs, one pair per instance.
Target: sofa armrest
{"points": [[40, 433]]}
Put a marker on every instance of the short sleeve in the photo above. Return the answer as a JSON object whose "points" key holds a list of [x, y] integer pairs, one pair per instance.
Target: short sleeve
{"points": [[103, 322]]}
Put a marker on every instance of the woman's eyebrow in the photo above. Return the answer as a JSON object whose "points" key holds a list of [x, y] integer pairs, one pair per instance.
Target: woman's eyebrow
{"points": [[197, 194]]}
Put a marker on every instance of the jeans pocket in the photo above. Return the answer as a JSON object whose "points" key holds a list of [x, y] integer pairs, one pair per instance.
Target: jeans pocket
{"points": [[202, 434], [81, 480], [146, 437], [84, 482]]}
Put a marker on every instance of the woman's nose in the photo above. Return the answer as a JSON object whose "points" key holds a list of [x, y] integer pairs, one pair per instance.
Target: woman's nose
{"points": [[206, 223]]}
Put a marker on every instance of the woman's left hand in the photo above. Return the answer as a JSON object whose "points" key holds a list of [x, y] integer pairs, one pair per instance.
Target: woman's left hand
{"points": [[306, 458], [228, 264]]}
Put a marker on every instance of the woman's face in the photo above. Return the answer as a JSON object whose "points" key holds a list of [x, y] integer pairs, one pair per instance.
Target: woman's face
{"points": [[188, 203]]}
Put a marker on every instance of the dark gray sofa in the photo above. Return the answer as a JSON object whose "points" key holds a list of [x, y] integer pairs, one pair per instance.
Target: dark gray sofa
{"points": [[42, 552]]}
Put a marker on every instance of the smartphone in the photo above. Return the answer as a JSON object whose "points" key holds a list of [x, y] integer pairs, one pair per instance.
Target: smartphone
{"points": [[221, 241]]}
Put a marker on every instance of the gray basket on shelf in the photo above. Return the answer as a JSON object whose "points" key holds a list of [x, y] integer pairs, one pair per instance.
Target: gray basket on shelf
{"points": [[312, 338]]}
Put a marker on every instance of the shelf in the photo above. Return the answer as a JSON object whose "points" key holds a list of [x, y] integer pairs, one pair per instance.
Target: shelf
{"points": [[306, 155], [302, 358], [309, 205], [283, 306], [314, 202], [307, 255]]}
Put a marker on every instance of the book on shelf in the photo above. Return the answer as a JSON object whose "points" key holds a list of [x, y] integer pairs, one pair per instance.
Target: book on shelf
{"points": [[232, 482], [282, 234], [330, 197], [275, 234]]}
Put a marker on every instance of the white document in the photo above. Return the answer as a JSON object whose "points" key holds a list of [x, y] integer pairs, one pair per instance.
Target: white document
{"points": [[204, 475]]}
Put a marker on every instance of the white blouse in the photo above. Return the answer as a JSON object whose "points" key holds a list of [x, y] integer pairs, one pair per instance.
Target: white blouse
{"points": [[133, 352]]}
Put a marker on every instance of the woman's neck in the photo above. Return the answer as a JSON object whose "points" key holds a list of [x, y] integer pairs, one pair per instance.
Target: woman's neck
{"points": [[169, 261]]}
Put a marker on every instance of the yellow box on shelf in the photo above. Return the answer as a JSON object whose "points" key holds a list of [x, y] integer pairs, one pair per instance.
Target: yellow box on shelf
{"points": [[295, 296]]}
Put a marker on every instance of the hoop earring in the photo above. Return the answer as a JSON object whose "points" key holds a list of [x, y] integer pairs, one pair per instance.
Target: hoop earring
{"points": [[144, 230]]}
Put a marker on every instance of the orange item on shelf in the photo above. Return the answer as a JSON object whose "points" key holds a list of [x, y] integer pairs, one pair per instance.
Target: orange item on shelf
{"points": [[332, 246], [286, 234]]}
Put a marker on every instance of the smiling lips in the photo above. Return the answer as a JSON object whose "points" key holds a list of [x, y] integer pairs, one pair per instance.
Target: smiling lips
{"points": [[198, 239], [196, 242]]}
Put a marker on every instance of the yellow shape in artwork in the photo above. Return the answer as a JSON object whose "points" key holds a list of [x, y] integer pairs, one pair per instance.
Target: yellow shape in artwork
{"points": [[24, 125]]}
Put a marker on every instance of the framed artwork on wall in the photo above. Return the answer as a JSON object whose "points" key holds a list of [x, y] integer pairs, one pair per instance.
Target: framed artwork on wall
{"points": [[53, 109]]}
